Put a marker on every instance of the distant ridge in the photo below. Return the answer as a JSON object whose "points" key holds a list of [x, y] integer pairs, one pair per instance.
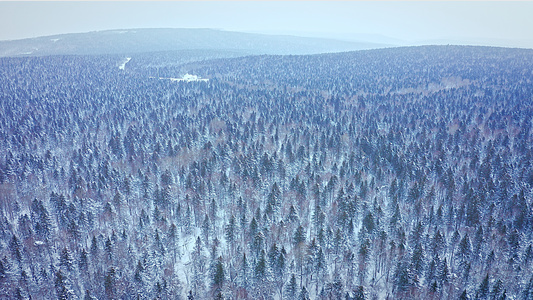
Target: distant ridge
{"points": [[129, 41]]}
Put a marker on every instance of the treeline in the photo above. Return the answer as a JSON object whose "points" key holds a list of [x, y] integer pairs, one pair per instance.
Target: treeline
{"points": [[391, 174]]}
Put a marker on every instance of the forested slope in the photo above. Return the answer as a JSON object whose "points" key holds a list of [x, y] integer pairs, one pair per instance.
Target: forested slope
{"points": [[402, 173], [142, 40]]}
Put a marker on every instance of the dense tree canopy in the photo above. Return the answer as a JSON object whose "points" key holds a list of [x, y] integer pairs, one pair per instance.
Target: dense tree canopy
{"points": [[400, 173]]}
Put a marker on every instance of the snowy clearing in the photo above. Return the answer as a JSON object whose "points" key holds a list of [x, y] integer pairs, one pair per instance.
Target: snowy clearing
{"points": [[123, 65], [187, 77]]}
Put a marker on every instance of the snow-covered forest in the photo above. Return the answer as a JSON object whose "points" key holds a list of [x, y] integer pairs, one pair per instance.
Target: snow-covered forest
{"points": [[401, 173]]}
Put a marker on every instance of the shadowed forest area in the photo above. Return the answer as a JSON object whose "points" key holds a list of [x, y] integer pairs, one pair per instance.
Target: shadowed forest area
{"points": [[399, 173]]}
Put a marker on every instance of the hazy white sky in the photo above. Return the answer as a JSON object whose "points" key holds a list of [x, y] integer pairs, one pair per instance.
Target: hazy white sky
{"points": [[509, 22]]}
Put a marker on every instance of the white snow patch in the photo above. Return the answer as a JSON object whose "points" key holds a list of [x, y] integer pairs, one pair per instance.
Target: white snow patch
{"points": [[123, 65], [54, 40], [183, 266], [187, 77]]}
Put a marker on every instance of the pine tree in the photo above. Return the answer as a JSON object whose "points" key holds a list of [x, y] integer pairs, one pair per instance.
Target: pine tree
{"points": [[230, 230], [139, 269], [528, 256], [199, 272], [497, 290], [320, 263], [483, 290], [514, 245], [357, 294], [417, 261], [65, 259], [260, 270], [219, 296], [299, 236], [431, 272], [109, 248], [293, 215], [257, 243], [15, 247], [478, 241], [253, 227], [166, 178], [438, 243], [18, 294], [273, 255], [110, 283], [464, 251], [62, 290], [291, 288], [173, 241], [402, 280], [244, 272], [41, 219], [187, 221], [279, 270], [94, 247], [364, 253], [273, 200], [334, 289], [88, 296], [304, 295], [218, 276], [3, 271], [464, 295]]}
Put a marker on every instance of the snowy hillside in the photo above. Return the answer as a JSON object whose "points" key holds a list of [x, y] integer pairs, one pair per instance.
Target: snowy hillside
{"points": [[156, 40]]}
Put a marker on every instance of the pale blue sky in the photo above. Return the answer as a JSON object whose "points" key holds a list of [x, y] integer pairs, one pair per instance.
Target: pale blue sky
{"points": [[502, 23]]}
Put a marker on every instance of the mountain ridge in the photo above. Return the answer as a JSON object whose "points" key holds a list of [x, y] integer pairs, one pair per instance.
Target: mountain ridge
{"points": [[139, 40]]}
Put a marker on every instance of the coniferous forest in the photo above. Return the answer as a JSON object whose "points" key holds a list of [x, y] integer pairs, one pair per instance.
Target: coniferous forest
{"points": [[399, 173]]}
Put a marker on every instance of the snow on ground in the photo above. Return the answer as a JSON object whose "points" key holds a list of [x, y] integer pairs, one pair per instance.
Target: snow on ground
{"points": [[187, 77], [54, 40], [183, 266], [123, 65]]}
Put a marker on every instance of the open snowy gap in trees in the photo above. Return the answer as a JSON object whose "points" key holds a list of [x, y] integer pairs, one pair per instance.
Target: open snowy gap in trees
{"points": [[123, 65], [187, 77]]}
